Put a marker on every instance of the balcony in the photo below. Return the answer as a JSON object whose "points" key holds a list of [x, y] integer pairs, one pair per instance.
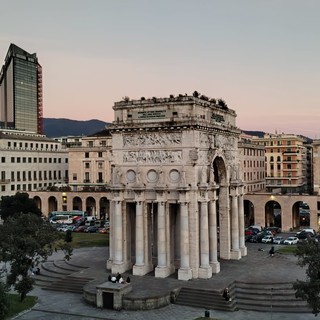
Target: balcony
{"points": [[86, 181]]}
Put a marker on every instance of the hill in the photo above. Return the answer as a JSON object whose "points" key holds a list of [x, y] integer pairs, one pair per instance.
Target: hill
{"points": [[61, 127]]}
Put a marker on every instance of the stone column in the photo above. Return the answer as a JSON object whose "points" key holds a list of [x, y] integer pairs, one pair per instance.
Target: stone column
{"points": [[111, 233], [243, 247], [185, 272], [139, 267], [118, 265], [162, 271], [235, 250], [213, 239], [205, 270]]}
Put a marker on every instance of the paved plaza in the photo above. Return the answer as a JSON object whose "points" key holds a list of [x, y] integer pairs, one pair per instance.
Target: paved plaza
{"points": [[257, 266]]}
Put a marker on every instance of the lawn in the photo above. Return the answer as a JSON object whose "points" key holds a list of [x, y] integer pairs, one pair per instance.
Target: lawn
{"points": [[82, 239], [289, 249], [16, 306]]}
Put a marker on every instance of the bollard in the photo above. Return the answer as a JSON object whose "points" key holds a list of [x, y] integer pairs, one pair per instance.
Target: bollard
{"points": [[207, 314]]}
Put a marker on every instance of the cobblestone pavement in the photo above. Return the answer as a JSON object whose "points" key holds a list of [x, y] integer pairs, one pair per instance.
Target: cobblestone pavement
{"points": [[257, 266]]}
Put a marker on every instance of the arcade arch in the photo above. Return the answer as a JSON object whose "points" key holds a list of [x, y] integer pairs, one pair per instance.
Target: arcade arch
{"points": [[77, 203]]}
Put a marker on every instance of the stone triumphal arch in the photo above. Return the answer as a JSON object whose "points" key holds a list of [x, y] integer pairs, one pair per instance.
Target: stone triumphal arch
{"points": [[176, 195]]}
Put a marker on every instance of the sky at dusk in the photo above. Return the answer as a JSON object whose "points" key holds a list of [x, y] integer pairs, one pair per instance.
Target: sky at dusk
{"points": [[261, 57]]}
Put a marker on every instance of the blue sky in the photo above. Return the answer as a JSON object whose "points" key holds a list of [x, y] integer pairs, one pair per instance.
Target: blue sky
{"points": [[261, 57]]}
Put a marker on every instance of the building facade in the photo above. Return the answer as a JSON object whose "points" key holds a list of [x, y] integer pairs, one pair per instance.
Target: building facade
{"points": [[286, 163], [175, 182], [30, 162], [252, 163], [90, 163], [21, 91]]}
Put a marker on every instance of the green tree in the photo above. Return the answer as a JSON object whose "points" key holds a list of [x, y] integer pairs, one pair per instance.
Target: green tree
{"points": [[4, 301], [26, 240], [19, 203], [308, 253], [68, 237]]}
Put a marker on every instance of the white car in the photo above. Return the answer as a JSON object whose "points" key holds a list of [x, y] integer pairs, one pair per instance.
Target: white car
{"points": [[267, 239], [291, 240], [278, 240]]}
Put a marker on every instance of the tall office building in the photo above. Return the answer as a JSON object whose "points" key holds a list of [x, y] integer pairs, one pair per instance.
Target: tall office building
{"points": [[21, 91]]}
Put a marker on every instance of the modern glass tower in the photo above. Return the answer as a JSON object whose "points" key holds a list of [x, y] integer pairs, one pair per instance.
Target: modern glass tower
{"points": [[21, 91]]}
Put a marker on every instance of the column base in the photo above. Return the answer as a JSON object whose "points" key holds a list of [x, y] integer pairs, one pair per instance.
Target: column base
{"points": [[205, 272], [185, 274], [109, 264], [162, 272], [215, 266], [244, 251], [141, 270], [118, 267], [235, 254]]}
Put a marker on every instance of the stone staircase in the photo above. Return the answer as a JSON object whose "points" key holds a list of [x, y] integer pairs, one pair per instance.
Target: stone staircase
{"points": [[273, 297], [60, 275], [207, 299], [277, 297]]}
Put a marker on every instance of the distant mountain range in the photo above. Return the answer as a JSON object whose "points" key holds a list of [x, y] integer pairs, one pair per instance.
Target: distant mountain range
{"points": [[62, 127]]}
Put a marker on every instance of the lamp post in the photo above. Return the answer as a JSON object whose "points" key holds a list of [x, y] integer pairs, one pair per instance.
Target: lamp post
{"points": [[64, 201]]}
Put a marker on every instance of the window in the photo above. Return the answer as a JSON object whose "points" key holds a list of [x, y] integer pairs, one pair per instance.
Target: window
{"points": [[3, 188], [3, 175], [18, 159], [12, 175], [3, 159], [29, 159], [34, 160], [87, 165], [100, 154], [74, 176], [86, 154], [12, 159], [50, 160]]}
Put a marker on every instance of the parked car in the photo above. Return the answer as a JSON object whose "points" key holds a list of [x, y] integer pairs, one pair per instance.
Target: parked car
{"points": [[80, 229], [267, 239], [274, 230], [92, 229], [291, 240], [306, 230], [278, 240], [103, 230], [303, 235]]}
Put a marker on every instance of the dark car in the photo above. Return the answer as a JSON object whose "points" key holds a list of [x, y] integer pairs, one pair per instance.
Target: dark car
{"points": [[304, 235], [92, 229]]}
